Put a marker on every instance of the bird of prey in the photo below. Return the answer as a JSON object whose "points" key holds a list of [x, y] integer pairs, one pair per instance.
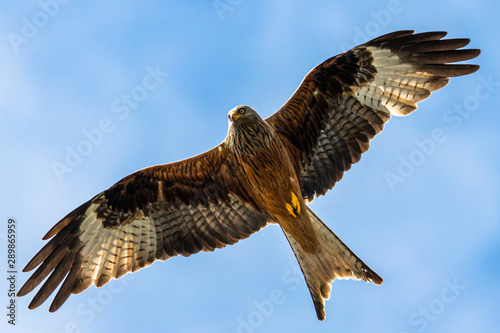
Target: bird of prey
{"points": [[265, 171]]}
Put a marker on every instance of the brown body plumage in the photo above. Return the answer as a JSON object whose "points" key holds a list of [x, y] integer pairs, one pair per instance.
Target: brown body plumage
{"points": [[263, 162], [265, 171]]}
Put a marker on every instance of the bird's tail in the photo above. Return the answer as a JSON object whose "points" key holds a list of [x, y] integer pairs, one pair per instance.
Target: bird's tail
{"points": [[330, 260]]}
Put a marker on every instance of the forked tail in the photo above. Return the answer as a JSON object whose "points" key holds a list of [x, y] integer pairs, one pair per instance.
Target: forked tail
{"points": [[331, 260]]}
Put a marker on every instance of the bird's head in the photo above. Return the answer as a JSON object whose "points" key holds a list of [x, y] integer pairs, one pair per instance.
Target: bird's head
{"points": [[241, 113], [247, 128]]}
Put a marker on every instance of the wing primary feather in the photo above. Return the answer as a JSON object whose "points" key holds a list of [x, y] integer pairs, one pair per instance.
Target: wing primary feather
{"points": [[413, 39], [450, 70], [391, 36], [45, 268], [69, 286], [56, 229], [437, 45], [443, 57], [53, 281], [45, 252]]}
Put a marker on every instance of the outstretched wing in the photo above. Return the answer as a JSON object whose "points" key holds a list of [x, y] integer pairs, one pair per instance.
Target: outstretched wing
{"points": [[153, 214], [346, 100]]}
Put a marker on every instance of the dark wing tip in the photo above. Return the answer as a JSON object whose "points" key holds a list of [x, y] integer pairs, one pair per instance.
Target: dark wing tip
{"points": [[32, 264], [471, 68], [320, 310], [427, 51], [29, 266], [67, 219], [369, 275], [451, 70], [391, 35], [53, 280], [23, 291], [376, 279], [405, 37], [444, 57]]}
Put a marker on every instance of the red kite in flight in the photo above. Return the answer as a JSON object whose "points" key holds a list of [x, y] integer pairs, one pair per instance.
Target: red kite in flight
{"points": [[265, 171]]}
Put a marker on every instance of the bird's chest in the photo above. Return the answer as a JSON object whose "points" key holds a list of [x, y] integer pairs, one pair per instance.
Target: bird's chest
{"points": [[271, 178]]}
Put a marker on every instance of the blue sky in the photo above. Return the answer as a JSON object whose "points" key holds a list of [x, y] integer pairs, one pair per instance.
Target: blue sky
{"points": [[433, 234]]}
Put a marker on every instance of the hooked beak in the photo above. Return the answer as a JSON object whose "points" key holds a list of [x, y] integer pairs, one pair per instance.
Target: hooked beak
{"points": [[233, 115]]}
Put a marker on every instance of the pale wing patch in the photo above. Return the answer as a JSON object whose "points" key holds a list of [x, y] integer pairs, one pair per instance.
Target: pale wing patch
{"points": [[398, 85], [112, 252]]}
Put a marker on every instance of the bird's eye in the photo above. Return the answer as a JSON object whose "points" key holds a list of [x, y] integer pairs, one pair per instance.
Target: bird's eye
{"points": [[241, 111]]}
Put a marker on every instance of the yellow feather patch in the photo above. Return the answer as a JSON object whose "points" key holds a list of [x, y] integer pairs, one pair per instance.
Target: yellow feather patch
{"points": [[294, 208], [290, 210]]}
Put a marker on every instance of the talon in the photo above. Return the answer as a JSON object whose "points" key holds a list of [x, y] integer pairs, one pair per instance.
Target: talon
{"points": [[290, 210], [294, 208], [295, 203]]}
